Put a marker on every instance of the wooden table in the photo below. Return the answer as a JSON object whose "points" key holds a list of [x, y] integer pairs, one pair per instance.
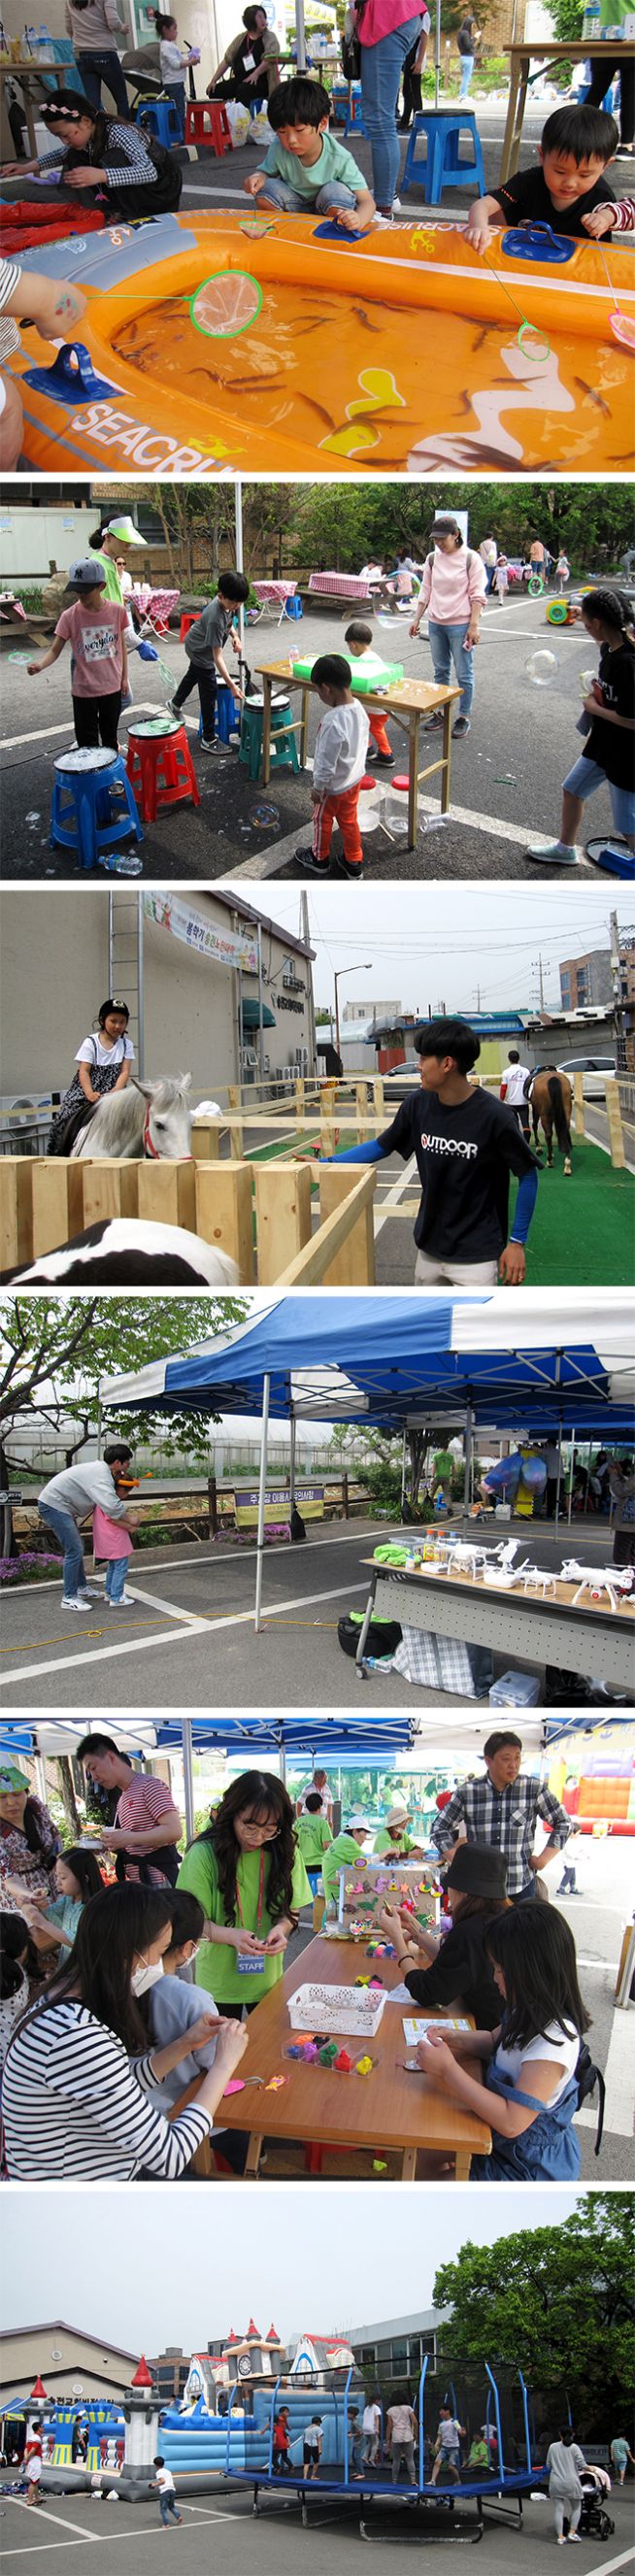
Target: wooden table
{"points": [[591, 1639], [409, 702], [388, 2109], [29, 71], [521, 56]]}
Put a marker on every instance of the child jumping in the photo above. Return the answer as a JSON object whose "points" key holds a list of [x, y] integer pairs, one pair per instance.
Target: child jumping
{"points": [[575, 146], [204, 645], [359, 639], [95, 628], [338, 769], [307, 170], [607, 757]]}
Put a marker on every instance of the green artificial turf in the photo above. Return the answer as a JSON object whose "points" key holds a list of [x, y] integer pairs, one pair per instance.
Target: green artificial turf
{"points": [[583, 1229]]}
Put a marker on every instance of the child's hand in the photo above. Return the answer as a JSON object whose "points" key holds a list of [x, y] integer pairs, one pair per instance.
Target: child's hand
{"points": [[348, 217], [600, 221], [33, 669], [436, 2060], [477, 233], [252, 187]]}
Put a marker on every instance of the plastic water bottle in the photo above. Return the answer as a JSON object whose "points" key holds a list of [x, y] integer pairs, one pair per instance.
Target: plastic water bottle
{"points": [[591, 21]]}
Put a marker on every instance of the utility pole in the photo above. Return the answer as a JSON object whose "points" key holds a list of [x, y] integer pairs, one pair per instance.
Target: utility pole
{"points": [[616, 975], [305, 934], [537, 969]]}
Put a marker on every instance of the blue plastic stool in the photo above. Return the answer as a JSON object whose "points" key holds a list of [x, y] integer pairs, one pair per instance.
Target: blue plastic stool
{"points": [[87, 816], [293, 608], [442, 129], [284, 748], [227, 714], [163, 119]]}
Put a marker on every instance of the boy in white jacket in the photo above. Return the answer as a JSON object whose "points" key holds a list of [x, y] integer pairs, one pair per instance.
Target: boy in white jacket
{"points": [[338, 768]]}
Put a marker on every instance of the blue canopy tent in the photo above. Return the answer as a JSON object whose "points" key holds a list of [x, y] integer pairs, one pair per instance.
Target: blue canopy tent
{"points": [[396, 1362], [347, 1741]]}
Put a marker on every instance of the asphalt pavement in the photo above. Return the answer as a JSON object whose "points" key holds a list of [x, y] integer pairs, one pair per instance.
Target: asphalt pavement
{"points": [[506, 776], [219, 2531]]}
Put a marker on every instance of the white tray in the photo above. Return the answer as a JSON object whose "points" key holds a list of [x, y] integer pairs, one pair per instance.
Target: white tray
{"points": [[340, 2011]]}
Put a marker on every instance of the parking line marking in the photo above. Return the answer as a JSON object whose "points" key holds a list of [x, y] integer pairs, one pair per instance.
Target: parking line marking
{"points": [[202, 1627]]}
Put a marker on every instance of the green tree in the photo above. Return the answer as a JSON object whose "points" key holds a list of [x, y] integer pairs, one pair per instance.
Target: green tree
{"points": [[54, 1350], [559, 2301]]}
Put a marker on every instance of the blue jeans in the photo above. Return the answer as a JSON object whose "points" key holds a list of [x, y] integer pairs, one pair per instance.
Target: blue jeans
{"points": [[467, 67], [447, 646], [167, 2503], [381, 70], [583, 779], [332, 194], [116, 1576], [65, 1530], [105, 67]]}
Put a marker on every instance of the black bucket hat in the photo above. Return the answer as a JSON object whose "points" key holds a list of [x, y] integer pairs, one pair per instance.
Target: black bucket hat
{"points": [[478, 1870]]}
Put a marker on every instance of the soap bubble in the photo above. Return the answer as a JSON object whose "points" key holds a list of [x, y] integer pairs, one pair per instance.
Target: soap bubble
{"points": [[541, 669]]}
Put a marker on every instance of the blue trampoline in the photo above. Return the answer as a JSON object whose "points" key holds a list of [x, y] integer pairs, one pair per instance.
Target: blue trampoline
{"points": [[493, 2405]]}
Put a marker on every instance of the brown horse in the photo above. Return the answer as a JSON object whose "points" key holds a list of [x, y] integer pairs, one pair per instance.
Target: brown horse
{"points": [[551, 1100]]}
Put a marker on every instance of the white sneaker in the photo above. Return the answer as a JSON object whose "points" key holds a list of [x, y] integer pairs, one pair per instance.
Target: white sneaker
{"points": [[74, 1601], [126, 1601]]}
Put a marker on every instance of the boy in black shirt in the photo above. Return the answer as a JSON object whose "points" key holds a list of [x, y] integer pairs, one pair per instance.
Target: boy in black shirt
{"points": [[575, 146], [466, 1144]]}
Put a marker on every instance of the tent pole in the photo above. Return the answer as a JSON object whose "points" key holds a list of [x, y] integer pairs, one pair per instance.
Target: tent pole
{"points": [[403, 1470], [292, 1430], [262, 1496], [261, 1033], [437, 53], [300, 36], [571, 1477], [559, 1479], [469, 1444], [188, 1777]]}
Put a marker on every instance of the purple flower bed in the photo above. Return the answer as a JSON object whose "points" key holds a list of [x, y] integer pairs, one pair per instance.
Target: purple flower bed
{"points": [[15, 1569]]}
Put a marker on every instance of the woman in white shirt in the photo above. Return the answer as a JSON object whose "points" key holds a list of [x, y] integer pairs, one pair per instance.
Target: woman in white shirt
{"points": [[74, 2103], [564, 2462], [531, 2091], [103, 1062]]}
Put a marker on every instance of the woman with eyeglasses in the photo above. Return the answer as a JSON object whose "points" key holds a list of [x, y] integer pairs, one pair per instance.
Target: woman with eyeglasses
{"points": [[251, 1881]]}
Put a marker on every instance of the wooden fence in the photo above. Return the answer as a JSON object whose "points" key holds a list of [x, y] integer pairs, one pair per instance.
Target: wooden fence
{"points": [[261, 1214]]}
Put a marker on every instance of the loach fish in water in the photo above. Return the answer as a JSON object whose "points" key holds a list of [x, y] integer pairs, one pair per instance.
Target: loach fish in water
{"points": [[598, 399]]}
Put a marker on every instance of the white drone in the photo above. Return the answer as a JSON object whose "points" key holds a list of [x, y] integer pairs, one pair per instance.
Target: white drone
{"points": [[616, 1581]]}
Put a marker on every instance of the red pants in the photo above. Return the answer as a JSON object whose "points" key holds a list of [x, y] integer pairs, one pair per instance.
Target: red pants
{"points": [[342, 810], [379, 734]]}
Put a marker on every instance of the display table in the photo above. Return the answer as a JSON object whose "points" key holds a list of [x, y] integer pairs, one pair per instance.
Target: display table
{"points": [[592, 1639], [409, 701], [29, 72], [386, 2110], [532, 50]]}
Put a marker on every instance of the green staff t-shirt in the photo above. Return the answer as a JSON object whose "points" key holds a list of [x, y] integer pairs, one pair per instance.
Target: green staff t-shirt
{"points": [[383, 1843], [217, 1964], [313, 1836], [343, 1849]]}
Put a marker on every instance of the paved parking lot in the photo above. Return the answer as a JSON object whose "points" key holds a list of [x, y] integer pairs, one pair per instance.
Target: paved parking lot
{"points": [[219, 2531]]}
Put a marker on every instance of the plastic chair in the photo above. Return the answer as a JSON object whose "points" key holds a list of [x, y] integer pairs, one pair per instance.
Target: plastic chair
{"points": [[293, 608], [189, 618], [227, 714], [89, 790], [207, 124], [163, 119], [284, 748], [160, 767], [441, 128]]}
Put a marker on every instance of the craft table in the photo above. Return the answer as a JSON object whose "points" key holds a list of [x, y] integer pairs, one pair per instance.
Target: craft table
{"points": [[409, 701], [592, 1639], [30, 73], [388, 2109], [530, 49]]}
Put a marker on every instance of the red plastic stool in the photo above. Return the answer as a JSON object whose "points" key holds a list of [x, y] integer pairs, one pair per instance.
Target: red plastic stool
{"points": [[160, 766], [207, 124], [189, 618]]}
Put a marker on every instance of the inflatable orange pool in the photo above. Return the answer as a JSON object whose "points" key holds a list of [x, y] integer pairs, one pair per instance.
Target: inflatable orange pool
{"points": [[217, 344]]}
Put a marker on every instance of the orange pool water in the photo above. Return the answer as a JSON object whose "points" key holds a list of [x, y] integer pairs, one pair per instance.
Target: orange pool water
{"points": [[398, 355]]}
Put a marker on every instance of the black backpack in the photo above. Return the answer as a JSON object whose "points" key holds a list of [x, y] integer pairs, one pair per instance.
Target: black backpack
{"points": [[587, 2076]]}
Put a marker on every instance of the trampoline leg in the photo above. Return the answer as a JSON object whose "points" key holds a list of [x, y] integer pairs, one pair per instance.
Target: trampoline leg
{"points": [[305, 2518], [255, 2507]]}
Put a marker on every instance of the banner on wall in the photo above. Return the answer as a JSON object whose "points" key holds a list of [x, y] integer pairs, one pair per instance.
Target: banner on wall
{"points": [[235, 948], [309, 1499]]}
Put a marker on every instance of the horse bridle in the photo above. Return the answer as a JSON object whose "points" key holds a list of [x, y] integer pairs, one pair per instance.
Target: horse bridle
{"points": [[150, 1150]]}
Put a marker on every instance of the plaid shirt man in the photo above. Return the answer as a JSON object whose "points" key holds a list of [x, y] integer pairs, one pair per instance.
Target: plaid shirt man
{"points": [[505, 1818]]}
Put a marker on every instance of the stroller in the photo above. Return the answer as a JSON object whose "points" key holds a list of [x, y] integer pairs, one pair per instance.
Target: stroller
{"points": [[595, 2523]]}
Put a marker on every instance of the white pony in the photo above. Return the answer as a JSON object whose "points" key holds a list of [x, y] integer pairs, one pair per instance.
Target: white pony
{"points": [[147, 1119]]}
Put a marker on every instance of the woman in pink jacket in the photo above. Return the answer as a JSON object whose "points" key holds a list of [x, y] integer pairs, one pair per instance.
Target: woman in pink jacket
{"points": [[453, 590]]}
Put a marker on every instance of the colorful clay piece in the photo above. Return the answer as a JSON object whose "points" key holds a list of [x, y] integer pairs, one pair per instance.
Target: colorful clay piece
{"points": [[364, 2066], [328, 2054], [377, 1981], [342, 2064], [378, 2166], [362, 1981], [275, 2083]]}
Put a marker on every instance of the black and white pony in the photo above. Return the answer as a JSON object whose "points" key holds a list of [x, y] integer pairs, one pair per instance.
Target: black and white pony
{"points": [[151, 1119], [127, 1252]]}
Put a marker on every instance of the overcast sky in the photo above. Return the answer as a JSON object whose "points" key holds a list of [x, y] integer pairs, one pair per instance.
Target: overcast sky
{"points": [[150, 2266], [444, 942]]}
